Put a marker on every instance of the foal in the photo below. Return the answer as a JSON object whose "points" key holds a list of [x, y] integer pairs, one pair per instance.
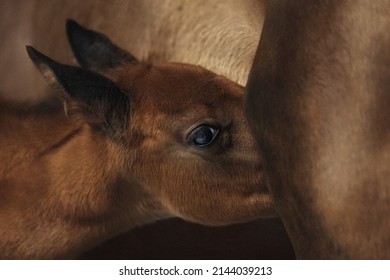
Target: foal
{"points": [[136, 143]]}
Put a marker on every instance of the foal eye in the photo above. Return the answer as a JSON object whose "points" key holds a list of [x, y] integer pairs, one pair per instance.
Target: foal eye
{"points": [[204, 135]]}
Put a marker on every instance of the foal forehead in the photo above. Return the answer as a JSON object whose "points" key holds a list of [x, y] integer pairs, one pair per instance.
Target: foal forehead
{"points": [[171, 75], [176, 88], [183, 85], [179, 79]]}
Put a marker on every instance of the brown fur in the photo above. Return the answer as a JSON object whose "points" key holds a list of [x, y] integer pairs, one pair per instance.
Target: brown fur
{"points": [[68, 183], [318, 102]]}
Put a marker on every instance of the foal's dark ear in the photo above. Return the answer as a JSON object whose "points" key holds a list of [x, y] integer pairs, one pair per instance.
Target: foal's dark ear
{"points": [[93, 50], [93, 96]]}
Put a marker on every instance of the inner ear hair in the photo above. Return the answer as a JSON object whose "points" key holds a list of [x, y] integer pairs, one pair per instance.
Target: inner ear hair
{"points": [[89, 94]]}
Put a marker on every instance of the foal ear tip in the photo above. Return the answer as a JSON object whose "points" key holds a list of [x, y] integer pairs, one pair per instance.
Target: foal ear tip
{"points": [[73, 28], [30, 50], [35, 55], [39, 59], [71, 24]]}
